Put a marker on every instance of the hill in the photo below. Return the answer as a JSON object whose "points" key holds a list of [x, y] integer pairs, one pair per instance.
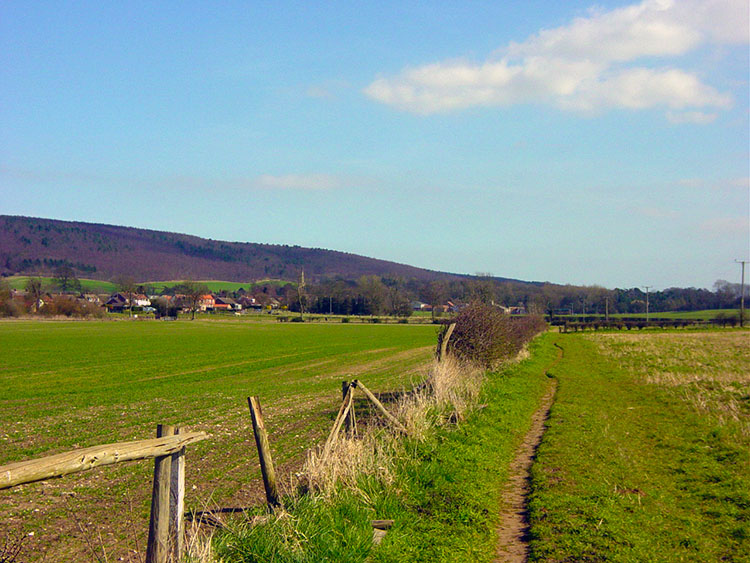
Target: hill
{"points": [[35, 246]]}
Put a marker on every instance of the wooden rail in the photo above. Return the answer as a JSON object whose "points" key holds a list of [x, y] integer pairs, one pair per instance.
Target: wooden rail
{"points": [[96, 456]]}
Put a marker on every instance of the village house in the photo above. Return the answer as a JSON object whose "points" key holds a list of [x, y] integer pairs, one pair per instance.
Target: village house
{"points": [[206, 303]]}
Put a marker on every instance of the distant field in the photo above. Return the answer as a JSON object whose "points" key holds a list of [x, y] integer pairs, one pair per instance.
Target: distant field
{"points": [[99, 286], [704, 315], [647, 450], [87, 286], [214, 285], [76, 384]]}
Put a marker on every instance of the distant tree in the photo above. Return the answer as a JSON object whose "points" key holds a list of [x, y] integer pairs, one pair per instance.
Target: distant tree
{"points": [[7, 306], [434, 293], [193, 292], [126, 285], [373, 291], [302, 293], [65, 278], [34, 290]]}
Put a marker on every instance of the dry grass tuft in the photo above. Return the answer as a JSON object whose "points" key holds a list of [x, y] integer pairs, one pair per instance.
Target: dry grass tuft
{"points": [[451, 390], [710, 370]]}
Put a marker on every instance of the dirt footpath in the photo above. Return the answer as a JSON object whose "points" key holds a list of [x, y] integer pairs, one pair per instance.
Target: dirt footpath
{"points": [[512, 546]]}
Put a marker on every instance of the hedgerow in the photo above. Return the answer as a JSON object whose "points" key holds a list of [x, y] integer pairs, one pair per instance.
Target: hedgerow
{"points": [[486, 336]]}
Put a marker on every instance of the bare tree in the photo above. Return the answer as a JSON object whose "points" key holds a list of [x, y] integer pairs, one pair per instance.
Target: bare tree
{"points": [[66, 279], [126, 286], [193, 291], [301, 294], [34, 289]]}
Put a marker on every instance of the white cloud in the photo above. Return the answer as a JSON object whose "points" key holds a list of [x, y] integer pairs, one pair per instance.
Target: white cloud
{"points": [[657, 212], [586, 66], [699, 117], [307, 182], [726, 226]]}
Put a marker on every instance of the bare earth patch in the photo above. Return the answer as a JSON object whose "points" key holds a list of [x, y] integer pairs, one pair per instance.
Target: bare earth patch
{"points": [[512, 534]]}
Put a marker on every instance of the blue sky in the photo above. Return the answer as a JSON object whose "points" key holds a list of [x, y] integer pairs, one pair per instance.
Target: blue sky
{"points": [[563, 141]]}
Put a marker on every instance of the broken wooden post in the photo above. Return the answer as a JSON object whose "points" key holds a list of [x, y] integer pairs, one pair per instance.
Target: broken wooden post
{"points": [[343, 412], [379, 530], [85, 459], [446, 336], [264, 453], [350, 422], [393, 420], [157, 550], [177, 503], [344, 395]]}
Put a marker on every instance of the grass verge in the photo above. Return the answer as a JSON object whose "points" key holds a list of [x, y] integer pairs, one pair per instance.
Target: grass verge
{"points": [[630, 469], [443, 490]]}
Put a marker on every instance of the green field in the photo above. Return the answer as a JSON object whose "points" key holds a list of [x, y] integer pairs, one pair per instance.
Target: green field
{"points": [[647, 450], [76, 384], [99, 286], [216, 285], [87, 286]]}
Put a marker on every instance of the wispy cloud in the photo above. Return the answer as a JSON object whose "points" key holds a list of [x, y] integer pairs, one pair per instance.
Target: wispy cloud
{"points": [[306, 182], [587, 66], [657, 212], [697, 117], [726, 226]]}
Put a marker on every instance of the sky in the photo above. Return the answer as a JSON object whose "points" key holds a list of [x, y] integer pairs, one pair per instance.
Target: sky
{"points": [[569, 142]]}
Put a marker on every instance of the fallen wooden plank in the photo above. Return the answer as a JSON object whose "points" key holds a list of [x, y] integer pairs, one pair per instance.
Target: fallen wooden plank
{"points": [[84, 459]]}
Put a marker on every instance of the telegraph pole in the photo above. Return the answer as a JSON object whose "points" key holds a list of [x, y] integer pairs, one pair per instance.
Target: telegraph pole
{"points": [[647, 287], [742, 292]]}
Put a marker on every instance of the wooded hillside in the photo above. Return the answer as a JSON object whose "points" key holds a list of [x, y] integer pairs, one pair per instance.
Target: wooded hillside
{"points": [[38, 246]]}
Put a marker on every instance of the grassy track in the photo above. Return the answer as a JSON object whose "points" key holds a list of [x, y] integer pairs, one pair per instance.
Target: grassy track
{"points": [[68, 384], [445, 496], [646, 455]]}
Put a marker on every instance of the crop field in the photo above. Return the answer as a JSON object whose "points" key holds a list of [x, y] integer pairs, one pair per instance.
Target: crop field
{"points": [[647, 450], [76, 384], [87, 285]]}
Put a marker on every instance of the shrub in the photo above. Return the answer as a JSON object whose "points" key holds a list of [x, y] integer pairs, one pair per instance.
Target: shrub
{"points": [[345, 319], [486, 336], [69, 306]]}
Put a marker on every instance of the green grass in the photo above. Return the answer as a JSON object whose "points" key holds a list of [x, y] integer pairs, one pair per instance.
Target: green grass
{"points": [[217, 285], [703, 315], [444, 501], [77, 384], [87, 286], [632, 467], [99, 286]]}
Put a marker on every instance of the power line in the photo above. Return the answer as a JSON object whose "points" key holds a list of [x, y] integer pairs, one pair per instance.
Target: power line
{"points": [[742, 292]]}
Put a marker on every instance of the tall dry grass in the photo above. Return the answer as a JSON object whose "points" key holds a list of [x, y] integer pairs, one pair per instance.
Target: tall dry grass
{"points": [[450, 391]]}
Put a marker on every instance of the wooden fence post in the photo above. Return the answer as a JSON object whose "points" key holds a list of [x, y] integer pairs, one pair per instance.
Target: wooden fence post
{"points": [[393, 420], [343, 413], [350, 422], [444, 341], [158, 530], [264, 453], [177, 502]]}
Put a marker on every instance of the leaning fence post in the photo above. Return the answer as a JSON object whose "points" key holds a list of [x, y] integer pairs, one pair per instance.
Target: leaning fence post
{"points": [[177, 502], [446, 336], [350, 422], [264, 453], [158, 531], [379, 405]]}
